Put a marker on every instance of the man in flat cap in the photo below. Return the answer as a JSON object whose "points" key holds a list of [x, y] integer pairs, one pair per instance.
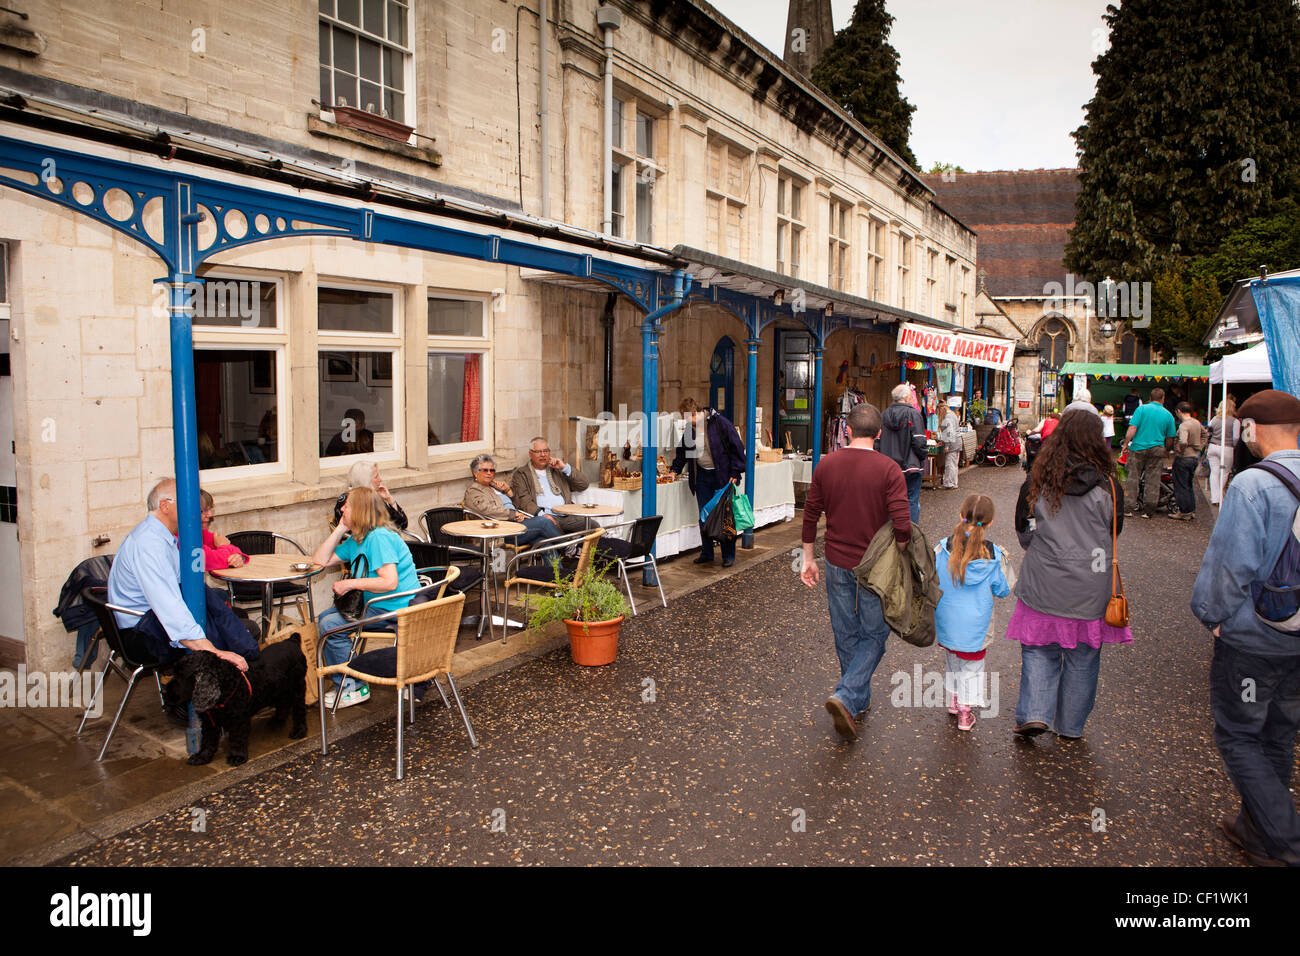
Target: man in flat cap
{"points": [[1255, 672]]}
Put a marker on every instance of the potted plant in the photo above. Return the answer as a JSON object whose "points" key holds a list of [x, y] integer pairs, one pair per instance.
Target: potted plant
{"points": [[592, 610]]}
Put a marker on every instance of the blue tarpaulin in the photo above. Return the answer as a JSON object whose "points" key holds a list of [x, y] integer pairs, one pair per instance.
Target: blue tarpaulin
{"points": [[1278, 304]]}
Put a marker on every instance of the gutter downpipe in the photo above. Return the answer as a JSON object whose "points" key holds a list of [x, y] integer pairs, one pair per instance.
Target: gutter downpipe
{"points": [[543, 105], [650, 329], [609, 19]]}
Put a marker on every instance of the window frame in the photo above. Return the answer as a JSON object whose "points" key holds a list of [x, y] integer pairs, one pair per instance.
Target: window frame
{"points": [[791, 222], [218, 338], [876, 262], [838, 247], [407, 54], [716, 196], [645, 169], [464, 345], [904, 267], [338, 341]]}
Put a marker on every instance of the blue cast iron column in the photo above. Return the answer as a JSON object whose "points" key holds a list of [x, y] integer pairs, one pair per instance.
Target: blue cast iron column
{"points": [[751, 424], [818, 351], [650, 405], [185, 446]]}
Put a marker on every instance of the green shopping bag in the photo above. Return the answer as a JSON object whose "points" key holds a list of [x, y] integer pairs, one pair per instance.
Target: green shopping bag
{"points": [[743, 512]]}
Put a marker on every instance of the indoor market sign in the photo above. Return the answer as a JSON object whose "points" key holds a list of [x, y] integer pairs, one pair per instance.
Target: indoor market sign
{"points": [[956, 346]]}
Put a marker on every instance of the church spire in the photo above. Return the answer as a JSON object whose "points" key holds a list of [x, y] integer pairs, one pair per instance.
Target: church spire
{"points": [[808, 32]]}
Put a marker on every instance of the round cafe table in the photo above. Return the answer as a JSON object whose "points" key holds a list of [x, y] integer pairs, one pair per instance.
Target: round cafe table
{"points": [[474, 528], [588, 511], [269, 570]]}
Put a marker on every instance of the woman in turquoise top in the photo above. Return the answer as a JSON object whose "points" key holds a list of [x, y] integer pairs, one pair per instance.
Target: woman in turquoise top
{"points": [[363, 530]]}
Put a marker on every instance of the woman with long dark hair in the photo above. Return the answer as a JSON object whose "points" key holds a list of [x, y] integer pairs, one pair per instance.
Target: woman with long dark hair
{"points": [[1063, 520]]}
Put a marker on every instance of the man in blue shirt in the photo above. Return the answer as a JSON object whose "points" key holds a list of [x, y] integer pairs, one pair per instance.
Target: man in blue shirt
{"points": [[146, 577], [1255, 672], [1150, 434]]}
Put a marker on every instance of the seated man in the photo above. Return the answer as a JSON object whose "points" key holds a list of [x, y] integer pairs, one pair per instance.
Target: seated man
{"points": [[353, 438], [489, 497], [146, 577], [545, 483]]}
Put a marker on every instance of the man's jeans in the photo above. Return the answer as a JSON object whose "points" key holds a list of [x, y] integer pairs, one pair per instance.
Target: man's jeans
{"points": [[860, 631], [225, 631], [1058, 686], [706, 486], [913, 479], [1184, 492], [1256, 738], [1144, 465], [538, 528]]}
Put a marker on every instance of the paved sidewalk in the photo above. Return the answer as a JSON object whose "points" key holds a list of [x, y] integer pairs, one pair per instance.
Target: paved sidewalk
{"points": [[732, 759]]}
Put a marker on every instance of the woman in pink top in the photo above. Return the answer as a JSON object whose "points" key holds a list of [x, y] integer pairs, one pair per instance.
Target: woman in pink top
{"points": [[218, 552]]}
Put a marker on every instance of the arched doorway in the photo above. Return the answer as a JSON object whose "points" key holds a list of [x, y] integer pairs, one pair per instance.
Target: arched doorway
{"points": [[722, 377]]}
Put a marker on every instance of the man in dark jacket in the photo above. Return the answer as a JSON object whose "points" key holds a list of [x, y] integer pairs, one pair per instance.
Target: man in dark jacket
{"points": [[710, 460], [902, 438]]}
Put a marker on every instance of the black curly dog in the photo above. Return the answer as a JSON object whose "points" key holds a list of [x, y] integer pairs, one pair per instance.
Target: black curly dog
{"points": [[225, 699]]}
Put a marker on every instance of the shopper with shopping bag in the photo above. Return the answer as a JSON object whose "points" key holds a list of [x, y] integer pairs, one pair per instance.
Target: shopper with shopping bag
{"points": [[713, 457]]}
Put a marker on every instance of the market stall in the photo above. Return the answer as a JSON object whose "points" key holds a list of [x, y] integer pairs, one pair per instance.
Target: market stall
{"points": [[1110, 382], [1250, 366], [680, 529]]}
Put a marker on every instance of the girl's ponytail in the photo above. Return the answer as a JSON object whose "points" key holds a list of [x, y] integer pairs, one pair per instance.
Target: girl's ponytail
{"points": [[967, 541]]}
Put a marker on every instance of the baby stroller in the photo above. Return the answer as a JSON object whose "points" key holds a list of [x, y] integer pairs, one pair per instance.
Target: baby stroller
{"points": [[1001, 446], [1166, 501]]}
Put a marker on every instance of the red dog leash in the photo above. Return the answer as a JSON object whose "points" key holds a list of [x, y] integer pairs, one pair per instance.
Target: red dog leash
{"points": [[208, 713]]}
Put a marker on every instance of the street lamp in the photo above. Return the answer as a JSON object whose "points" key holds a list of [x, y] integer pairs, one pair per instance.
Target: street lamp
{"points": [[1107, 329]]}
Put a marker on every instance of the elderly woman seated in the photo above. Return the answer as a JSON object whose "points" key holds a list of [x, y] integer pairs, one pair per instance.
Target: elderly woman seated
{"points": [[365, 474], [490, 497]]}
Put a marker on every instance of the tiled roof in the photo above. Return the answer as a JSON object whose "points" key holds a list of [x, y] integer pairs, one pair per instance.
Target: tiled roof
{"points": [[1022, 219]]}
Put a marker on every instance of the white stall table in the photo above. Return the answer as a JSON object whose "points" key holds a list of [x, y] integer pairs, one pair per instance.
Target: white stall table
{"points": [[680, 529]]}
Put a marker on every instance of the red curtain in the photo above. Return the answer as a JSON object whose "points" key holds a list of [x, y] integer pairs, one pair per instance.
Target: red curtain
{"points": [[471, 401]]}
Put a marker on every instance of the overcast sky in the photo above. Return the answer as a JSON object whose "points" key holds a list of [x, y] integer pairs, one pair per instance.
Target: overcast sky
{"points": [[998, 84]]}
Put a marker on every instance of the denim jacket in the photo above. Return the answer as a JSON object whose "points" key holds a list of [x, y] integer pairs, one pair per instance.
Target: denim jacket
{"points": [[1254, 522]]}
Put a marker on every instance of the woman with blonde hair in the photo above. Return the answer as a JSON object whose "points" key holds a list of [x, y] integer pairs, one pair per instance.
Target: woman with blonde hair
{"points": [[1220, 452], [364, 532]]}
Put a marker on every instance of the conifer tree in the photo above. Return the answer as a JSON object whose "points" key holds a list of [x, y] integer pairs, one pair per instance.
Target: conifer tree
{"points": [[1194, 128], [859, 70]]}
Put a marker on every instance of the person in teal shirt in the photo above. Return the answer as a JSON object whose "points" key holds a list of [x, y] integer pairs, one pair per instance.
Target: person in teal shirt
{"points": [[363, 530], [1150, 435]]}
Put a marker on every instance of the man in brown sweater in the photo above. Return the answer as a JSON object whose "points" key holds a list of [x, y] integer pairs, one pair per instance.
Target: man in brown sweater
{"points": [[858, 489]]}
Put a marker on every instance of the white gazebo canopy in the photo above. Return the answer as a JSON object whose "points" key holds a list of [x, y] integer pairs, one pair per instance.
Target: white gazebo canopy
{"points": [[1250, 365]]}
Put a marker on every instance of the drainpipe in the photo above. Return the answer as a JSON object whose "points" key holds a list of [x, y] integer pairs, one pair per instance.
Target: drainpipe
{"points": [[609, 19], [543, 104], [607, 320], [650, 329]]}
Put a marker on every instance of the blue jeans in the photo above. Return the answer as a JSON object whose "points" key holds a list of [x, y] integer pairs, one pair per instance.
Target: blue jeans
{"points": [[540, 528], [913, 479], [1256, 739], [707, 484], [860, 631], [1058, 686], [337, 648]]}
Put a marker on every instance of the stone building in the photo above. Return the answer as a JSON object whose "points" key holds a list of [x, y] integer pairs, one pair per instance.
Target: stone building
{"points": [[723, 163]]}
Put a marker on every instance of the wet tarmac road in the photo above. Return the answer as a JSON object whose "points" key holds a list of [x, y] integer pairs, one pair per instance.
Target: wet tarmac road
{"points": [[732, 759]]}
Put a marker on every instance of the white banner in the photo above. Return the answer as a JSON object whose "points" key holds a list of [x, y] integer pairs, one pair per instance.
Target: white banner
{"points": [[961, 347]]}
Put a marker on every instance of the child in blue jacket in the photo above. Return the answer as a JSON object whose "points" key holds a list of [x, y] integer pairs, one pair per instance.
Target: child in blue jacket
{"points": [[972, 571]]}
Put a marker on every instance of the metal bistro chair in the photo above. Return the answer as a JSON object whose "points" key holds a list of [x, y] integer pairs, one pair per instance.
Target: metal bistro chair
{"points": [[634, 553], [452, 550], [425, 643], [534, 575], [246, 594], [96, 600]]}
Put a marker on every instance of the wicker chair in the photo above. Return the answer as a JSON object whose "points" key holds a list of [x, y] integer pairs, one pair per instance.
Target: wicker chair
{"points": [[426, 642], [542, 574]]}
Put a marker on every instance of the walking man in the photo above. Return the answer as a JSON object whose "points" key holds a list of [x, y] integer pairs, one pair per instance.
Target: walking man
{"points": [[1255, 671], [1187, 451], [858, 489], [1150, 434], [902, 438]]}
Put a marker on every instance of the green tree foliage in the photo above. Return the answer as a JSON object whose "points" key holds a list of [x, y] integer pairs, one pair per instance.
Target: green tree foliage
{"points": [[1182, 307], [938, 168], [1269, 241], [859, 70], [1194, 128]]}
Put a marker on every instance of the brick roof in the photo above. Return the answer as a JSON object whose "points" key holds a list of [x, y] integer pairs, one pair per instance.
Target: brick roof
{"points": [[1022, 219]]}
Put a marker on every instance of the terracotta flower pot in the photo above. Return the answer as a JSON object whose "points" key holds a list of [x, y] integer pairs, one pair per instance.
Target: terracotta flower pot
{"points": [[594, 643]]}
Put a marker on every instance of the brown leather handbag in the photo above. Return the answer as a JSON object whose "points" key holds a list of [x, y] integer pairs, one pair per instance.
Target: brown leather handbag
{"points": [[1117, 608]]}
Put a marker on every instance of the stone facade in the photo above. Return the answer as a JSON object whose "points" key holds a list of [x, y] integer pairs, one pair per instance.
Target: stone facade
{"points": [[729, 124]]}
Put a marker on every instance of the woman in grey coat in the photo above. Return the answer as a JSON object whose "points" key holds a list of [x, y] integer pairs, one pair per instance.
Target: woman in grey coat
{"points": [[1064, 518], [951, 440]]}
